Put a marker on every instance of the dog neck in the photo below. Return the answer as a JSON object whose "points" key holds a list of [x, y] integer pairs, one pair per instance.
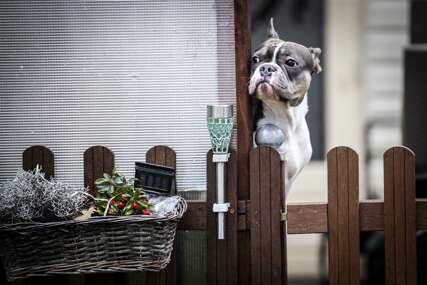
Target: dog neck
{"points": [[283, 115]]}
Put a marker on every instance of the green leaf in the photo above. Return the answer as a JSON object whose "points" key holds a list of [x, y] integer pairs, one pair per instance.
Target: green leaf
{"points": [[129, 212], [127, 207], [100, 211], [101, 181], [107, 176], [104, 189], [119, 181]]}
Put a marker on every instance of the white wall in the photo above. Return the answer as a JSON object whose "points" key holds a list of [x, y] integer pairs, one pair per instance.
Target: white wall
{"points": [[124, 74]]}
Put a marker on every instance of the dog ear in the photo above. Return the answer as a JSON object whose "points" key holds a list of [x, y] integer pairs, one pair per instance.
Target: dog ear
{"points": [[272, 31], [315, 53]]}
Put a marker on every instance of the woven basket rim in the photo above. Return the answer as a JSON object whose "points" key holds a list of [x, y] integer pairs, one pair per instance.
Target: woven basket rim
{"points": [[180, 209]]}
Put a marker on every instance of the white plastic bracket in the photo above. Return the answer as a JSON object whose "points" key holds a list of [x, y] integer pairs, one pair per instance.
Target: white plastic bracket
{"points": [[220, 157], [220, 208]]}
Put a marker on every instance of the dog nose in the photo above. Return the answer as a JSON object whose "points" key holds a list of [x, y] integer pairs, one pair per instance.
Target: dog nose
{"points": [[266, 70]]}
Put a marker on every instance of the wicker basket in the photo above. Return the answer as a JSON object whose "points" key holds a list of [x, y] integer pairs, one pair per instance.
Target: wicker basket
{"points": [[100, 244]]}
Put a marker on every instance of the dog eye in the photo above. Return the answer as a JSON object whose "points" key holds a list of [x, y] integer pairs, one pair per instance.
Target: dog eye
{"points": [[290, 62], [255, 59]]}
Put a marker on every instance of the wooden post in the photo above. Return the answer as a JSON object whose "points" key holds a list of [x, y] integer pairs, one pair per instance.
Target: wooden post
{"points": [[400, 217], [268, 232], [166, 156], [222, 254], [242, 19], [343, 216]]}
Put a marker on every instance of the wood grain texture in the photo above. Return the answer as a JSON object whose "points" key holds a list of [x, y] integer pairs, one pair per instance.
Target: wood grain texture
{"points": [[97, 160], [31, 157], [162, 155], [400, 216], [242, 37], [195, 217], [222, 254], [343, 216], [255, 217], [306, 218], [312, 218], [39, 155], [268, 242]]}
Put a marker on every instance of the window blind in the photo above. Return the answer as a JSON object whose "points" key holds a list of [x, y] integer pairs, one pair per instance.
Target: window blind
{"points": [[124, 74]]}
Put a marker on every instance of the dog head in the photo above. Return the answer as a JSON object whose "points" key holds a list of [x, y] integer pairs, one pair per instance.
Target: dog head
{"points": [[282, 70]]}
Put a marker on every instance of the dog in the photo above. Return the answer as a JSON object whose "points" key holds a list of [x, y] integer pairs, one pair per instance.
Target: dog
{"points": [[281, 75]]}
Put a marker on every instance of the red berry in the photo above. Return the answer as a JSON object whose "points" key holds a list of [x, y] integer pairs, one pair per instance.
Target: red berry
{"points": [[112, 202], [146, 212], [121, 205], [136, 205]]}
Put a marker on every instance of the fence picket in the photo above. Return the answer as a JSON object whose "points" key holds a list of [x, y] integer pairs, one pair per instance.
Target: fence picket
{"points": [[165, 156], [98, 160], [343, 216], [222, 254], [39, 155], [268, 238], [399, 216], [31, 157]]}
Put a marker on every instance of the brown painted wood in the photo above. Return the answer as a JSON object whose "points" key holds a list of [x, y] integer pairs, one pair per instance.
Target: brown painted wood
{"points": [[255, 217], [98, 160], [333, 234], [242, 19], [306, 218], [39, 155], [165, 156], [268, 242], [231, 220], [421, 214], [312, 218], [265, 214], [211, 221], [222, 254], [31, 157], [195, 217], [278, 227], [400, 216], [343, 216]]}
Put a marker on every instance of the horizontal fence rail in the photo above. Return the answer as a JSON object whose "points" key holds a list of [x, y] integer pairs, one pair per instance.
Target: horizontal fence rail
{"points": [[343, 217]]}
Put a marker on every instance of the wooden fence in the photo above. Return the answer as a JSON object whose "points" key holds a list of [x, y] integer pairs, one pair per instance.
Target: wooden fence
{"points": [[343, 217], [267, 220]]}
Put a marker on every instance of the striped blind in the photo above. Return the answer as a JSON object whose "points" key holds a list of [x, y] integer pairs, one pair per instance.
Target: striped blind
{"points": [[124, 74]]}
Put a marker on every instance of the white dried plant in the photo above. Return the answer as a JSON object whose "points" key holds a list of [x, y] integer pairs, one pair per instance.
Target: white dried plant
{"points": [[31, 197]]}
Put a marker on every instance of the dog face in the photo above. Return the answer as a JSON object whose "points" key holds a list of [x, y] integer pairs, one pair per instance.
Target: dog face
{"points": [[282, 70]]}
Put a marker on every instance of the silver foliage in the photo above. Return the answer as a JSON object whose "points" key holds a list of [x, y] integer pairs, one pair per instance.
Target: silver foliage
{"points": [[31, 197]]}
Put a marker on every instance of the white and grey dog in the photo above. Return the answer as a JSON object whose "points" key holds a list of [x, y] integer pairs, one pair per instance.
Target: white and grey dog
{"points": [[280, 80]]}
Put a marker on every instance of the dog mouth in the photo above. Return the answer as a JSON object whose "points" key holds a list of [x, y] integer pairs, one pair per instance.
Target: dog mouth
{"points": [[265, 89]]}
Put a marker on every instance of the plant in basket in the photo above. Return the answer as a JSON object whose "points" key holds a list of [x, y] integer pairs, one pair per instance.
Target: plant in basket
{"points": [[119, 196]]}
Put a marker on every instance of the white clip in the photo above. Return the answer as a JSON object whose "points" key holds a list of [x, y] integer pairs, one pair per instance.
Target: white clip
{"points": [[220, 208], [220, 157]]}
